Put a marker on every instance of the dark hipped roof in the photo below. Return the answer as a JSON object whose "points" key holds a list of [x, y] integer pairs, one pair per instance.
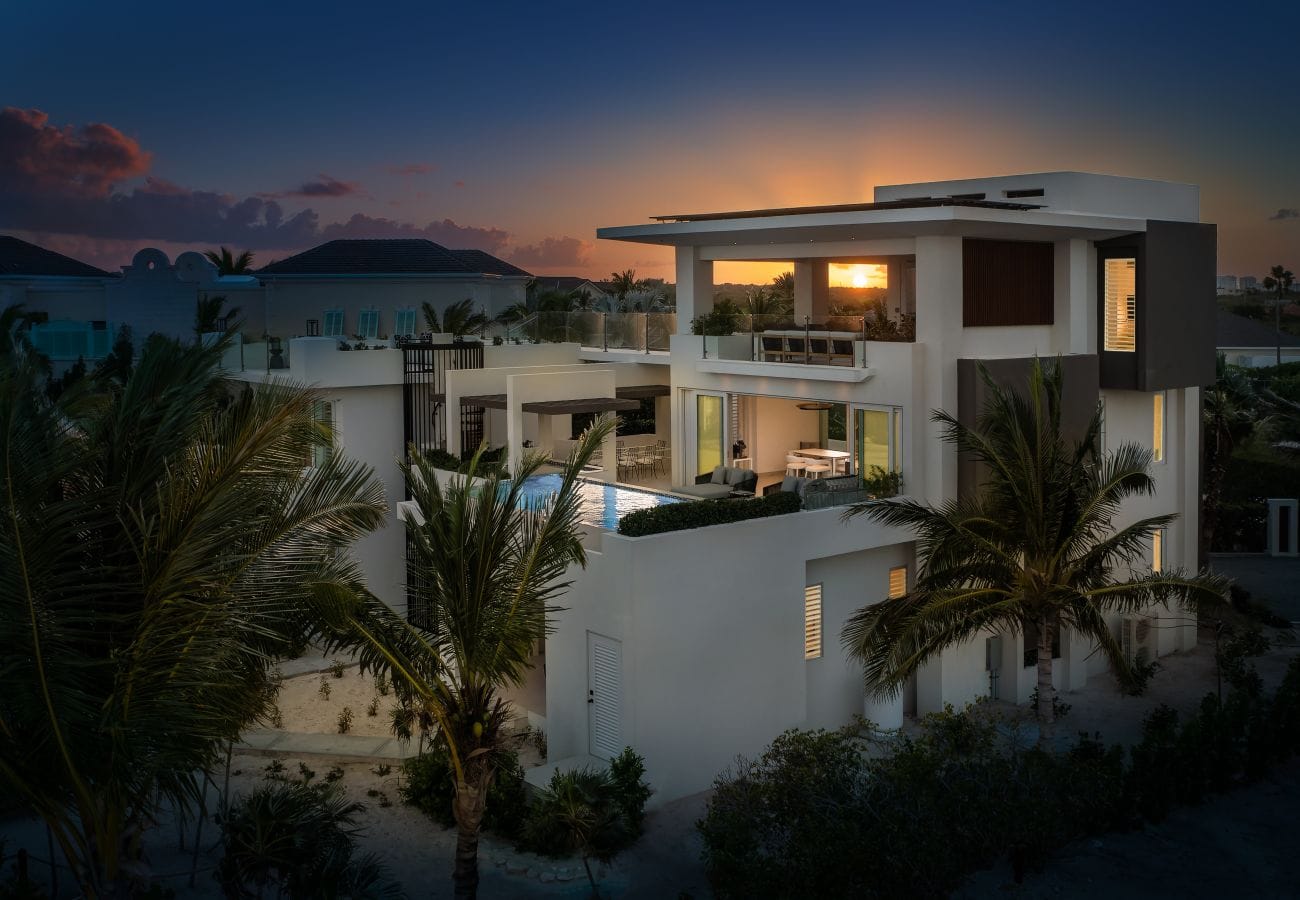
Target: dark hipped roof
{"points": [[18, 257], [561, 282], [390, 256], [1238, 331]]}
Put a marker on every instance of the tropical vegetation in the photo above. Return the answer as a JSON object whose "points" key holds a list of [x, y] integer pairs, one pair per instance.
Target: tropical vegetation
{"points": [[459, 318], [965, 791], [160, 546], [228, 263], [486, 568], [1034, 550]]}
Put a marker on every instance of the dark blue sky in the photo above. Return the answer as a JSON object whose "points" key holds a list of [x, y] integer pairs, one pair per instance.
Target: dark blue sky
{"points": [[523, 127]]}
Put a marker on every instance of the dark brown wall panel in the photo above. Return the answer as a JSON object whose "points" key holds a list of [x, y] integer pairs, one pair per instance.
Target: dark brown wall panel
{"points": [[1079, 392], [1007, 282], [1177, 349]]}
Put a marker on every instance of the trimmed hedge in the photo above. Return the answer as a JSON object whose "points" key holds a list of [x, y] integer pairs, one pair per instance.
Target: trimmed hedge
{"points": [[441, 459], [702, 513]]}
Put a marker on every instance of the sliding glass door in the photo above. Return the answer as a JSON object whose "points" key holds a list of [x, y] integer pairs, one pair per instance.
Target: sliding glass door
{"points": [[877, 438], [710, 432]]}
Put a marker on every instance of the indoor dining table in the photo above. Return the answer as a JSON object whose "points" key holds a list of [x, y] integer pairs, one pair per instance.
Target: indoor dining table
{"points": [[832, 457]]}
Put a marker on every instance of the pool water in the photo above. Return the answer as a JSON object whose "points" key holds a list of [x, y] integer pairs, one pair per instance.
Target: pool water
{"points": [[603, 504]]}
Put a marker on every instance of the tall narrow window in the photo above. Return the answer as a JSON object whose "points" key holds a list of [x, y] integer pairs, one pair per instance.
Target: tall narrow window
{"points": [[404, 321], [709, 426], [333, 323], [1120, 298], [1158, 550], [368, 323], [1158, 427], [812, 621], [897, 582], [322, 415]]}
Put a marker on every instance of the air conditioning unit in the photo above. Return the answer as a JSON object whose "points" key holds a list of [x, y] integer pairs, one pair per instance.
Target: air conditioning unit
{"points": [[1138, 638]]}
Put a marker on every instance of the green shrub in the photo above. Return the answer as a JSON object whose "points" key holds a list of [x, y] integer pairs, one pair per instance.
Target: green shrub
{"points": [[428, 787], [724, 318], [702, 513], [488, 460], [882, 483], [629, 787], [578, 812], [301, 841], [934, 808]]}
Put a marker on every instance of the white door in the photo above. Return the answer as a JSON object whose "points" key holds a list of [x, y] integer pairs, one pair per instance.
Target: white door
{"points": [[604, 696]]}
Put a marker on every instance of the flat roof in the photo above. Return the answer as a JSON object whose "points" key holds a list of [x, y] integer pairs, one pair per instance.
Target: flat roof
{"points": [[912, 203], [555, 407]]}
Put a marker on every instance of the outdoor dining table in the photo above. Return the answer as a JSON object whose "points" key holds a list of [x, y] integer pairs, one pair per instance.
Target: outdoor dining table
{"points": [[831, 456]]}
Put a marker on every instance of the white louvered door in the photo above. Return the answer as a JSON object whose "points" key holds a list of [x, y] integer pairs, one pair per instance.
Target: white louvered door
{"points": [[604, 696]]}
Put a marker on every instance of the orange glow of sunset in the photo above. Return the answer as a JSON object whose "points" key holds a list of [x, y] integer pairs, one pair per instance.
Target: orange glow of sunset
{"points": [[858, 276]]}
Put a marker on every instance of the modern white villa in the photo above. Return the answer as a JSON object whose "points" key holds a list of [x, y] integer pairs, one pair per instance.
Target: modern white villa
{"points": [[694, 646]]}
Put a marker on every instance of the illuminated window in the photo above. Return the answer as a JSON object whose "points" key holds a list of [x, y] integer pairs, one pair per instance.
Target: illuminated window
{"points": [[897, 582], [404, 321], [1158, 427], [368, 323], [1158, 551], [1119, 294], [812, 621], [333, 323]]}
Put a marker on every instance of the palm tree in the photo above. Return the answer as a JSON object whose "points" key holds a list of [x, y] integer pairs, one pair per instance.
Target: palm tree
{"points": [[623, 283], [783, 288], [1278, 280], [229, 264], [209, 312], [457, 319], [1032, 551], [1231, 411], [159, 547], [487, 569], [765, 304]]}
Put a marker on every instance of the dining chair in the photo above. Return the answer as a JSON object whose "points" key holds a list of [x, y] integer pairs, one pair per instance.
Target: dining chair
{"points": [[819, 349], [772, 346], [817, 470], [795, 465]]}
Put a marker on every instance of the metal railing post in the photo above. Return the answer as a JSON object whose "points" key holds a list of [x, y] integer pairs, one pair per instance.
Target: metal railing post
{"points": [[645, 330], [807, 350], [604, 331], [753, 354], [864, 342]]}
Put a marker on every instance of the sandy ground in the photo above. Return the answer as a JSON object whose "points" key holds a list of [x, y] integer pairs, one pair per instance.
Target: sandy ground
{"points": [[304, 706], [1240, 844]]}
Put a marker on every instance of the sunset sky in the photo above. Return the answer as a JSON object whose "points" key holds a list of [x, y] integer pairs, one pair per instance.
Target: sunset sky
{"points": [[521, 128]]}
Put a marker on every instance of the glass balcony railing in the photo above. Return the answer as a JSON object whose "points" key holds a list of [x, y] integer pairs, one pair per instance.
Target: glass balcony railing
{"points": [[633, 331]]}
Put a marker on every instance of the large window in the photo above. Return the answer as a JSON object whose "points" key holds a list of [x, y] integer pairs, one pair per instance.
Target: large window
{"points": [[812, 621], [709, 426], [333, 323], [404, 321], [1158, 550], [368, 323], [1158, 427], [1119, 295], [322, 414]]}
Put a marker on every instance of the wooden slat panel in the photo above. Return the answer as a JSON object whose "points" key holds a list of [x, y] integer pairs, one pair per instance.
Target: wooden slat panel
{"points": [[1007, 282], [812, 621]]}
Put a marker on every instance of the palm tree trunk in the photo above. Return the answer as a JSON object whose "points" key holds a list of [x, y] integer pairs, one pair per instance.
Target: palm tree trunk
{"points": [[468, 807], [1046, 692]]}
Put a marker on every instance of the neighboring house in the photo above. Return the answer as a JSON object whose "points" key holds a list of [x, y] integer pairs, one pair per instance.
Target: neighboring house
{"points": [[377, 287], [41, 281], [1252, 343], [570, 284], [694, 646]]}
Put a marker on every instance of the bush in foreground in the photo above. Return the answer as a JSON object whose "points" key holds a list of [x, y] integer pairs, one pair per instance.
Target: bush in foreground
{"points": [[817, 815]]}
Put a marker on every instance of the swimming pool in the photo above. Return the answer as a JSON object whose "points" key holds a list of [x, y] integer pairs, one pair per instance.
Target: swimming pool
{"points": [[603, 504]]}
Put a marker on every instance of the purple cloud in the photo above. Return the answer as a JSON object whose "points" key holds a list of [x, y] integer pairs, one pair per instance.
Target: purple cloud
{"points": [[562, 251], [323, 186], [66, 181], [1285, 214]]}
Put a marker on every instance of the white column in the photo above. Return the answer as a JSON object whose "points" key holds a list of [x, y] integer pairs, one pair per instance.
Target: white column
{"points": [[811, 289], [694, 287], [1074, 310], [938, 327]]}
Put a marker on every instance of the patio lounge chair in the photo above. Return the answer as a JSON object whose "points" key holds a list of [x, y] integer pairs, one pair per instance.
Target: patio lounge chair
{"points": [[720, 483]]}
